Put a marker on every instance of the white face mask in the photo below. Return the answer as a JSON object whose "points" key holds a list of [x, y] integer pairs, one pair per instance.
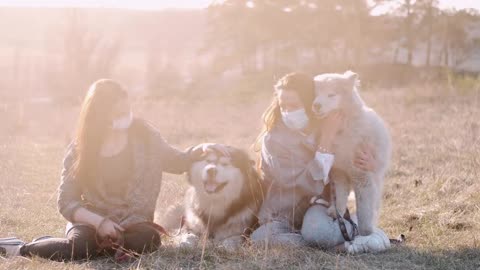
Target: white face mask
{"points": [[296, 120], [123, 123]]}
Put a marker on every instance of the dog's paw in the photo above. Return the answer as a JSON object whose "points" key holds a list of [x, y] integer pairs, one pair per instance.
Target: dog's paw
{"points": [[373, 243], [189, 240]]}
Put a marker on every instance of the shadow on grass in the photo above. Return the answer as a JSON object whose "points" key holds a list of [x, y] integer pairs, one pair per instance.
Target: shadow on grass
{"points": [[300, 258], [411, 258]]}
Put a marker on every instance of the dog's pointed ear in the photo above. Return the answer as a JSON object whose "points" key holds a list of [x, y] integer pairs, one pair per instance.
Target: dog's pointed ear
{"points": [[350, 75], [352, 78]]}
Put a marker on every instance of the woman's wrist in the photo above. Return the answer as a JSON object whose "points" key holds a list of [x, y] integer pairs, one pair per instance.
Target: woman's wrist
{"points": [[97, 220], [83, 215], [99, 224]]}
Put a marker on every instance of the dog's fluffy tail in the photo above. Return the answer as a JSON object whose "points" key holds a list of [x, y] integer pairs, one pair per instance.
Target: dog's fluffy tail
{"points": [[171, 219]]}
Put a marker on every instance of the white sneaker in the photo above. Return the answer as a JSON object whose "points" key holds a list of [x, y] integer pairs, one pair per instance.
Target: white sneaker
{"points": [[10, 247]]}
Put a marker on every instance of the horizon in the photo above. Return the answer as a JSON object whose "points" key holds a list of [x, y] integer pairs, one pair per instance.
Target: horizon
{"points": [[168, 4]]}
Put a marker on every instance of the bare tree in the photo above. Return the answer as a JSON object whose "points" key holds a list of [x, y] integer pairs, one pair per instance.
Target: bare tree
{"points": [[429, 15], [86, 56], [456, 43]]}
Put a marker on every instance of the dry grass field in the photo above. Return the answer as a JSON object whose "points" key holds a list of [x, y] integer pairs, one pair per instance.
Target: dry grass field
{"points": [[432, 192]]}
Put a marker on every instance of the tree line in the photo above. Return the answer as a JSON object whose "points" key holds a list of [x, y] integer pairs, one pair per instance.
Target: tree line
{"points": [[334, 34]]}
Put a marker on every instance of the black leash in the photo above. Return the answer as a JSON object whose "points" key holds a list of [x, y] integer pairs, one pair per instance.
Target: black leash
{"points": [[341, 220], [401, 239]]}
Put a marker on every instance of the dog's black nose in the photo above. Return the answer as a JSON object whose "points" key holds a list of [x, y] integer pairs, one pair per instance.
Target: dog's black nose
{"points": [[211, 172], [316, 107]]}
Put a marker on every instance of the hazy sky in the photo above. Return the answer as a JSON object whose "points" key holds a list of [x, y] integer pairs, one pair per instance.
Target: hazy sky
{"points": [[159, 4]]}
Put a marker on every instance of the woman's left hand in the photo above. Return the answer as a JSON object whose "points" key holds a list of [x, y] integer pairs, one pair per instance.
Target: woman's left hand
{"points": [[212, 147], [216, 147], [364, 158]]}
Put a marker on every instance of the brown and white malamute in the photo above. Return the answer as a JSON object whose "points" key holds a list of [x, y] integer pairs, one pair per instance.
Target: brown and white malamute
{"points": [[223, 200]]}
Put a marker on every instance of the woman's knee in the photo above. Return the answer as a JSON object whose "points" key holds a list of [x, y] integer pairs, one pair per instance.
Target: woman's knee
{"points": [[310, 228], [82, 243], [142, 238], [320, 229], [269, 229], [276, 233]]}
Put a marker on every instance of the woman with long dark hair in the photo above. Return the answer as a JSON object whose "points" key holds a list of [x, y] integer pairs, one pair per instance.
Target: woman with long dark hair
{"points": [[110, 182]]}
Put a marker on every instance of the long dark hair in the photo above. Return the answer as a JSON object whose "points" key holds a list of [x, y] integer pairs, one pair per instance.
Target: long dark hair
{"points": [[299, 82], [94, 121]]}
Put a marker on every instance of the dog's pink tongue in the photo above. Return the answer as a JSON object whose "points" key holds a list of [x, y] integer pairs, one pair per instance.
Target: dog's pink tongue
{"points": [[210, 187]]}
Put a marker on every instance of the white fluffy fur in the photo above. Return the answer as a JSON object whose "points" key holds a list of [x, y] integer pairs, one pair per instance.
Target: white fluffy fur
{"points": [[362, 125], [376, 242], [214, 205]]}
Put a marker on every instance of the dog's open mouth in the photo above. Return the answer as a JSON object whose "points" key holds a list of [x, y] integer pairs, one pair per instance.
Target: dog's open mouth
{"points": [[212, 186]]}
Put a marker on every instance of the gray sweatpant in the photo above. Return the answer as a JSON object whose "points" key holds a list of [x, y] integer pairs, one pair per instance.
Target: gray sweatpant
{"points": [[318, 229], [321, 230], [276, 233]]}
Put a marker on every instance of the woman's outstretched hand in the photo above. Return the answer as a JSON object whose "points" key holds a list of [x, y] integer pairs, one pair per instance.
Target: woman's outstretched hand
{"points": [[364, 158], [204, 148], [216, 147]]}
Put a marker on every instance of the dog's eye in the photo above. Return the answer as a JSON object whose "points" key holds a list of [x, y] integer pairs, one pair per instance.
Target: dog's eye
{"points": [[331, 95]]}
